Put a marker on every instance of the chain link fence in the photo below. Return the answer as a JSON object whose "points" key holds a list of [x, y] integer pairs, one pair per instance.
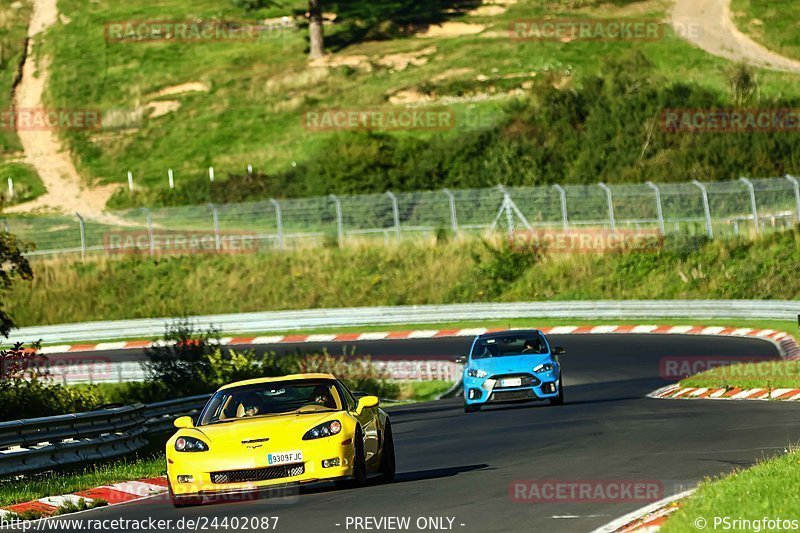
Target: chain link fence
{"points": [[744, 207]]}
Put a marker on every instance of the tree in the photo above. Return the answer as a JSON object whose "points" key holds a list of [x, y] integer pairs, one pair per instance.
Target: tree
{"points": [[13, 266], [315, 33]]}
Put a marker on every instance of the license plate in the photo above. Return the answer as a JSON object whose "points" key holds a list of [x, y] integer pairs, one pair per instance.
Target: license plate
{"points": [[511, 382], [282, 458]]}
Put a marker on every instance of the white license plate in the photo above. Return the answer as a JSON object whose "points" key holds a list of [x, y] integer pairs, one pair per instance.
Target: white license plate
{"points": [[511, 382], [282, 458]]}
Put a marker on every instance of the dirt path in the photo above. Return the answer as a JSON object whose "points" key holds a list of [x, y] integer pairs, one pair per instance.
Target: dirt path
{"points": [[715, 32], [43, 149]]}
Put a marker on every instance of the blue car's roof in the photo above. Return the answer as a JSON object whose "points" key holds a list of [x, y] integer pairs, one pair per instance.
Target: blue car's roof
{"points": [[507, 332]]}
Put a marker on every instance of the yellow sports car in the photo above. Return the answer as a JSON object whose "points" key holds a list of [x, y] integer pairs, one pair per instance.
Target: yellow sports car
{"points": [[260, 433]]}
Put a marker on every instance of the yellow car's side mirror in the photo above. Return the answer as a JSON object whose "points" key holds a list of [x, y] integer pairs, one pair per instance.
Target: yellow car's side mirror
{"points": [[367, 401], [184, 422]]}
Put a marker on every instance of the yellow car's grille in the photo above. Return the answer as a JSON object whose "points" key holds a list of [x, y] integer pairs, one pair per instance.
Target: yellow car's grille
{"points": [[257, 474]]}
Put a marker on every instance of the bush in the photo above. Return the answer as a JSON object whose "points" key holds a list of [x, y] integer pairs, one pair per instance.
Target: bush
{"points": [[359, 374], [27, 393]]}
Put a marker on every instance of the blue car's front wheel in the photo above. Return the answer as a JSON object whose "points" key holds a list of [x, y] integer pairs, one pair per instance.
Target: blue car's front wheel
{"points": [[558, 400]]}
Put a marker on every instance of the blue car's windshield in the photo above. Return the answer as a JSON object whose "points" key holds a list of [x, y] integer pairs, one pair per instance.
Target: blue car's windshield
{"points": [[512, 344]]}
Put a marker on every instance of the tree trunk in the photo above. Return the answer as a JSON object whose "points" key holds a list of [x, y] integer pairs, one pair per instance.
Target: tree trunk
{"points": [[315, 34]]}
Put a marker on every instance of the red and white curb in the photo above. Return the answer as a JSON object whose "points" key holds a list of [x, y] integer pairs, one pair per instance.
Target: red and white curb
{"points": [[692, 393], [112, 494], [648, 519], [786, 342]]}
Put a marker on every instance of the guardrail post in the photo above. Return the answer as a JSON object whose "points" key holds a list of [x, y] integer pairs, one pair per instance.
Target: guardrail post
{"points": [[753, 206], [563, 196], [215, 217], [151, 241], [610, 201], [339, 222], [278, 221], [82, 225], [396, 213], [453, 218], [796, 185], [706, 208], [659, 209]]}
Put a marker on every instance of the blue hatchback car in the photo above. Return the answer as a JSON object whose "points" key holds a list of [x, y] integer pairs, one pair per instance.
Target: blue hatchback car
{"points": [[511, 366]]}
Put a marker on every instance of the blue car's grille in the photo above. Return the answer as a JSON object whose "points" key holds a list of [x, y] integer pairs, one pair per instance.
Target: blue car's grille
{"points": [[512, 395], [528, 380]]}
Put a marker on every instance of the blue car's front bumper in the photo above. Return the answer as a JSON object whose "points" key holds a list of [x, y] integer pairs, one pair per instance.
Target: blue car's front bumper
{"points": [[480, 391]]}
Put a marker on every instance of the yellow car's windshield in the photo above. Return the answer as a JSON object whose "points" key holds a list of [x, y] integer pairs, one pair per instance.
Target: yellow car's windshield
{"points": [[265, 399]]}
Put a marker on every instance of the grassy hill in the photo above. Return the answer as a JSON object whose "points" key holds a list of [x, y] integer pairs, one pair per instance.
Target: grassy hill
{"points": [[421, 273], [14, 17], [248, 99], [773, 23]]}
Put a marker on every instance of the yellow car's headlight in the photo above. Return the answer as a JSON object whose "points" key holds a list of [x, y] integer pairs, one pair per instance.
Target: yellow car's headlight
{"points": [[190, 444], [326, 429]]}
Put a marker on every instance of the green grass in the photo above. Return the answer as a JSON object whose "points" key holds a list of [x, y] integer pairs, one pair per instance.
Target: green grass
{"points": [[53, 484], [423, 391], [768, 375], [259, 91], [752, 494], [455, 272], [773, 23], [27, 184]]}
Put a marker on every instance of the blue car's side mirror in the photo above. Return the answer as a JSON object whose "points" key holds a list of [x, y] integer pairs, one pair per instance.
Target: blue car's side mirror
{"points": [[461, 359], [559, 350]]}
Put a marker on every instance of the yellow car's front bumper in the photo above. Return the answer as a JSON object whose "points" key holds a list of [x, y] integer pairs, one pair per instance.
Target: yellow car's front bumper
{"points": [[193, 474]]}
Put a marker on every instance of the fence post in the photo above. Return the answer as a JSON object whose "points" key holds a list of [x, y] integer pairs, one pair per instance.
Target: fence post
{"points": [[211, 174], [171, 177], [563, 196], [10, 188], [6, 227], [706, 208], [82, 225], [215, 217], [130, 181], [796, 184], [451, 199], [753, 205], [339, 222], [659, 209], [610, 200], [150, 230], [396, 213], [279, 221]]}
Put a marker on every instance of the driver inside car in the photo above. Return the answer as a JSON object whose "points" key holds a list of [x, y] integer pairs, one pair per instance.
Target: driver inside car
{"points": [[322, 396]]}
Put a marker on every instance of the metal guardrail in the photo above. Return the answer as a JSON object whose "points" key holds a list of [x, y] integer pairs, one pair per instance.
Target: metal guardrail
{"points": [[39, 444], [420, 314]]}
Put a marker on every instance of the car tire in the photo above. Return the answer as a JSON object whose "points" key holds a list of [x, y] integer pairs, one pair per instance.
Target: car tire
{"points": [[471, 408], [388, 464], [558, 400]]}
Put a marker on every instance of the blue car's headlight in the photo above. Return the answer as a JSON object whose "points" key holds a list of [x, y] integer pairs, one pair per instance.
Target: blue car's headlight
{"points": [[544, 367], [476, 373]]}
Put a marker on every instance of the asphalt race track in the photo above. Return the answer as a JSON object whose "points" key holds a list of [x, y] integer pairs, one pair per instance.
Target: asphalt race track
{"points": [[463, 467]]}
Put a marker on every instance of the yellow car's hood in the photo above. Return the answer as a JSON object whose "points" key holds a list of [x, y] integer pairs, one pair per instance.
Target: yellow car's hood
{"points": [[254, 431]]}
